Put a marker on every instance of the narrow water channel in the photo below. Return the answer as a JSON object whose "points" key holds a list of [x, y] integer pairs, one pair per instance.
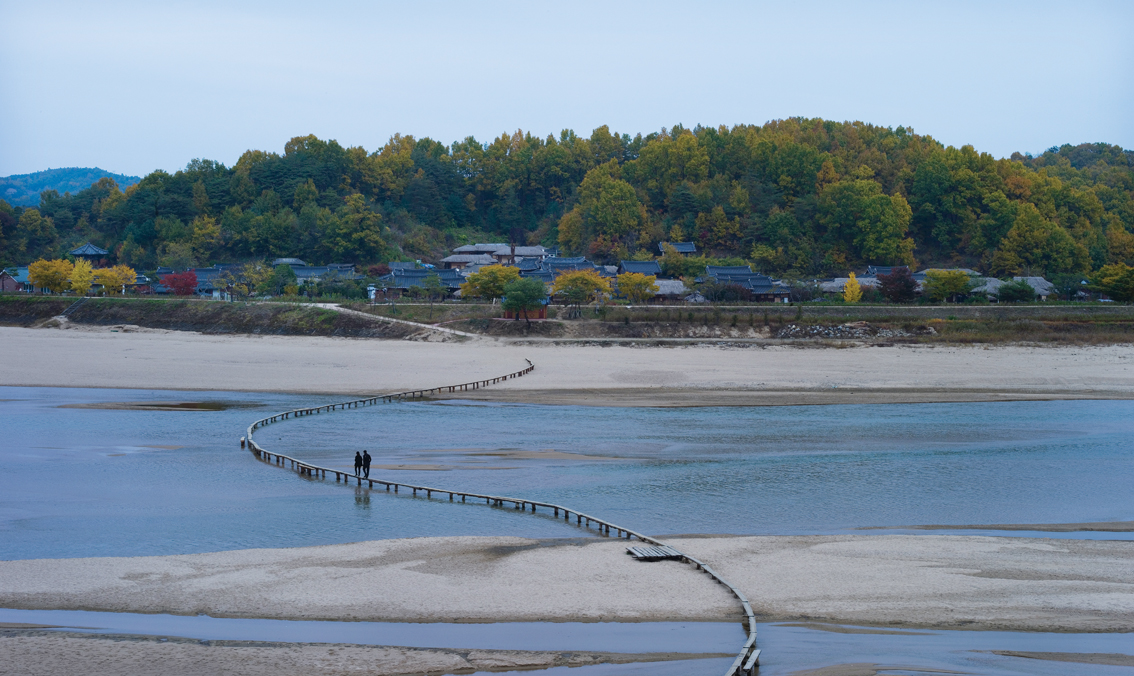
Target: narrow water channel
{"points": [[616, 637], [793, 648]]}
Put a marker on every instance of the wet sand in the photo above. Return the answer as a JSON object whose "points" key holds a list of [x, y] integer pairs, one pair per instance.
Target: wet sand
{"points": [[864, 669], [1113, 659], [566, 374], [40, 653], [1096, 526], [900, 581]]}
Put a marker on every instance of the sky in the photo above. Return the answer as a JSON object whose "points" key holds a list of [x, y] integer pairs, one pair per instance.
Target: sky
{"points": [[136, 86]]}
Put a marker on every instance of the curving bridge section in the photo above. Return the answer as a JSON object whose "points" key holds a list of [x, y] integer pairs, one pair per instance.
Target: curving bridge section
{"points": [[746, 661]]}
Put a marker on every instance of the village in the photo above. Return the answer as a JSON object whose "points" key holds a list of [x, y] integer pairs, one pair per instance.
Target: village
{"points": [[447, 279]]}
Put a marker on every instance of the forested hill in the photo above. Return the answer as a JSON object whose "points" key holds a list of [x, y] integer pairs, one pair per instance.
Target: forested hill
{"points": [[797, 197], [24, 189]]}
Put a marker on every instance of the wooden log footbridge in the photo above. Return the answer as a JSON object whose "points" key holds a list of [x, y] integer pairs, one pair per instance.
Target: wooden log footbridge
{"points": [[747, 660]]}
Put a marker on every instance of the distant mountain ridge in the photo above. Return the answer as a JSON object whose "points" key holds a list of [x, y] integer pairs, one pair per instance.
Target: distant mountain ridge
{"points": [[24, 189]]}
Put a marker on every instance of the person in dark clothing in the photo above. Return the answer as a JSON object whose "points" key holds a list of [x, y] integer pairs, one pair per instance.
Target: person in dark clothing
{"points": [[357, 463], [366, 464]]}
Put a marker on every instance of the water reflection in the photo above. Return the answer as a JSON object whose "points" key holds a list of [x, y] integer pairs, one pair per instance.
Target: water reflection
{"points": [[362, 497]]}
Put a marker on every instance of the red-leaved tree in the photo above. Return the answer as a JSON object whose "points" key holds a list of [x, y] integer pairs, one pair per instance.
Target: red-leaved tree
{"points": [[181, 284], [899, 286]]}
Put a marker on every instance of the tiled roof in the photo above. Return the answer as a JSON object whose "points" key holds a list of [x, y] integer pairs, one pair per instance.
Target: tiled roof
{"points": [[682, 247], [506, 250], [671, 287], [642, 267], [991, 285], [714, 270], [318, 271], [478, 248], [836, 285], [89, 249], [483, 259], [404, 279], [579, 263]]}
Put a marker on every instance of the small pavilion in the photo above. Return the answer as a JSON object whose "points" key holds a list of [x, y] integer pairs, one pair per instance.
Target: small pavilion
{"points": [[90, 253]]}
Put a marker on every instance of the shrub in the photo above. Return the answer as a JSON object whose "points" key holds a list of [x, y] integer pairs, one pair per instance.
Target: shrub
{"points": [[1018, 291]]}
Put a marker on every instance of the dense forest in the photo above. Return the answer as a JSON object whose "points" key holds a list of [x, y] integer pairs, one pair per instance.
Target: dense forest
{"points": [[796, 197], [24, 189]]}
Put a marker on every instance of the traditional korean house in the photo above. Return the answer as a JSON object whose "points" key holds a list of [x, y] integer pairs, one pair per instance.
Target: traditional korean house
{"points": [[686, 248], [640, 267], [459, 261], [508, 254], [763, 288]]}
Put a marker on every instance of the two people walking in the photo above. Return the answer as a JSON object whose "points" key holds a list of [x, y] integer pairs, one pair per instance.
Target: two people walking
{"points": [[362, 464]]}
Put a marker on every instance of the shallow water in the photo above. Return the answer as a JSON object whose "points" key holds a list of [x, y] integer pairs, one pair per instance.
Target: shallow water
{"points": [[108, 482], [616, 637], [122, 482], [787, 649], [790, 649], [705, 667]]}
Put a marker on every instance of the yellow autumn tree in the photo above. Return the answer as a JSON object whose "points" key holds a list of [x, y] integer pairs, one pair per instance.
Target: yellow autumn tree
{"points": [[580, 286], [257, 275], [489, 282], [81, 277], [51, 275], [115, 279], [852, 290], [637, 287]]}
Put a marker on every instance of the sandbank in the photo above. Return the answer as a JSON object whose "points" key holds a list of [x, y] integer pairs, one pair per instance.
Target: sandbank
{"points": [[910, 581], [40, 653], [621, 375]]}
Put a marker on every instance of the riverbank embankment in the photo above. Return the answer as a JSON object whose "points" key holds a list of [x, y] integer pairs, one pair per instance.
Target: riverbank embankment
{"points": [[170, 314], [1075, 324]]}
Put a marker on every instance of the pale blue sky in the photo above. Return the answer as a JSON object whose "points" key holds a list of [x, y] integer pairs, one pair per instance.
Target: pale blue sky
{"points": [[137, 86]]}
